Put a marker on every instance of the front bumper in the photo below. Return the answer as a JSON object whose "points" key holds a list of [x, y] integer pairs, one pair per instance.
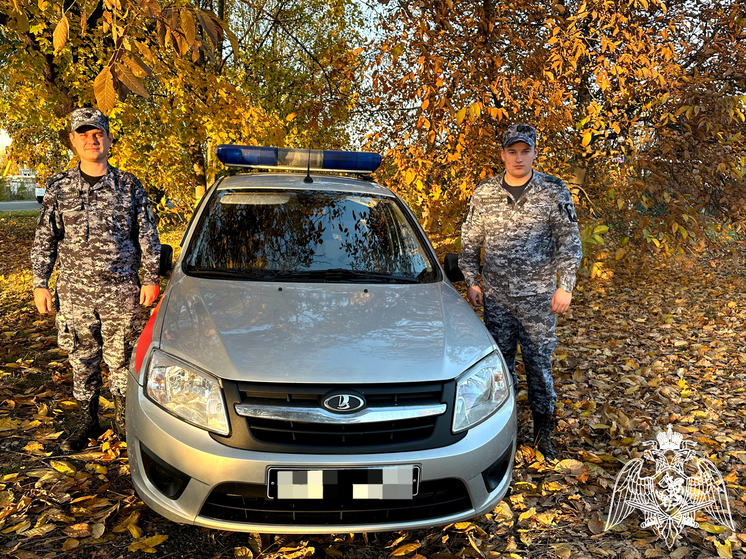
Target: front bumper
{"points": [[224, 488]]}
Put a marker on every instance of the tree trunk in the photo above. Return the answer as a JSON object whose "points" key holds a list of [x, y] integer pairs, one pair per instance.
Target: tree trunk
{"points": [[198, 164], [221, 15]]}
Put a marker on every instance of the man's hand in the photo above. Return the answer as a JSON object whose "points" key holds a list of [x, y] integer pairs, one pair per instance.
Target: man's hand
{"points": [[474, 295], [43, 300], [561, 301], [148, 294]]}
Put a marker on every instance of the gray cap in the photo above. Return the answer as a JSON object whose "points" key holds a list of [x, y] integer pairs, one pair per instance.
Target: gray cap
{"points": [[519, 133], [86, 116]]}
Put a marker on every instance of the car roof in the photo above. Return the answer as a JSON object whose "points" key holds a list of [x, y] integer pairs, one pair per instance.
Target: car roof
{"points": [[294, 181]]}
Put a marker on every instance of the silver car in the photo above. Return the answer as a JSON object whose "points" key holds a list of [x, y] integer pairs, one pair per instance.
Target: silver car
{"points": [[311, 370]]}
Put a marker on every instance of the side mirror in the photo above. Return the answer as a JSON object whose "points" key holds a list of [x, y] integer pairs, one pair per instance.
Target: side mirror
{"points": [[450, 266], [167, 257]]}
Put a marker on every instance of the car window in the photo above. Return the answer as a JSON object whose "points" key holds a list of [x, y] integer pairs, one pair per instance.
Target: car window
{"points": [[307, 235]]}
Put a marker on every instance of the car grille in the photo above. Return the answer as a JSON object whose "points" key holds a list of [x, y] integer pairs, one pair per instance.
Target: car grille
{"points": [[238, 502], [273, 433]]}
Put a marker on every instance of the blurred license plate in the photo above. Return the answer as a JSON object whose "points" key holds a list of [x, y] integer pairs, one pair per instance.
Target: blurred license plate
{"points": [[386, 483]]}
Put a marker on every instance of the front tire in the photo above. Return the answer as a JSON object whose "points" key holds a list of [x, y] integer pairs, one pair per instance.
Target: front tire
{"points": [[40, 199]]}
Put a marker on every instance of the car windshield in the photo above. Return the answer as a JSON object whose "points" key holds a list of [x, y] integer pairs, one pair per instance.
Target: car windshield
{"points": [[307, 235]]}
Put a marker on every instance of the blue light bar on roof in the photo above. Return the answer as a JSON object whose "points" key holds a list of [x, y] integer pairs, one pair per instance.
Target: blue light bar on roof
{"points": [[298, 159]]}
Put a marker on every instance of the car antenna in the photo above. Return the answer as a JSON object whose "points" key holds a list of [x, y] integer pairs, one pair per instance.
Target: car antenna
{"points": [[308, 178]]}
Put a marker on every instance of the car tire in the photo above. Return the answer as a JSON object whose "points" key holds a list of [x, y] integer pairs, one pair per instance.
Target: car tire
{"points": [[40, 199]]}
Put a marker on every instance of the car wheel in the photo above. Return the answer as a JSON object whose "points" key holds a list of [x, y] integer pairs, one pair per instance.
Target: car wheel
{"points": [[40, 199]]}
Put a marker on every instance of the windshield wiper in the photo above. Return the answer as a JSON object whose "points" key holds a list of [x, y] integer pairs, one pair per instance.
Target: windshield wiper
{"points": [[256, 275], [330, 275], [345, 274]]}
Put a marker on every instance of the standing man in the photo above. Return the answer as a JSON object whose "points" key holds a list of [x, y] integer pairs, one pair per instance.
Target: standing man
{"points": [[96, 222], [526, 223]]}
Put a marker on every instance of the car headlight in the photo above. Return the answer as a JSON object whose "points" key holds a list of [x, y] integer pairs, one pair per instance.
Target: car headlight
{"points": [[190, 395], [480, 392]]}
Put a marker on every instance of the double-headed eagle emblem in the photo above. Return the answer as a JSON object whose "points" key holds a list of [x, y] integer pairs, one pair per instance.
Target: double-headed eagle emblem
{"points": [[681, 485]]}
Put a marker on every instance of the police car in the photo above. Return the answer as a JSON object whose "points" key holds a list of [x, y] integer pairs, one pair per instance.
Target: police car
{"points": [[310, 369]]}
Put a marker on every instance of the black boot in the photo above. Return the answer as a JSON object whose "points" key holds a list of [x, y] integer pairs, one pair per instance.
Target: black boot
{"points": [[119, 425], [87, 429], [543, 428]]}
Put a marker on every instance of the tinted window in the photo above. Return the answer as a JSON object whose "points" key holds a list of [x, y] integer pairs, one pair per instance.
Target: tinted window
{"points": [[307, 234]]}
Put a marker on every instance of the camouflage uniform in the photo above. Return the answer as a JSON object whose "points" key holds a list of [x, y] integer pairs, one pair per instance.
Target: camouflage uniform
{"points": [[526, 242], [100, 235]]}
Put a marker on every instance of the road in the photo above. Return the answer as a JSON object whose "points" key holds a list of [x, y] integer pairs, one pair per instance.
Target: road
{"points": [[19, 206]]}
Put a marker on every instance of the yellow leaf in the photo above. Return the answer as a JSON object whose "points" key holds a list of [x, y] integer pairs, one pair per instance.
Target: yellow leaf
{"points": [[570, 466], [724, 549], [405, 549], [244, 552], [135, 530], [333, 552], [462, 525], [461, 115], [39, 530], [291, 117], [70, 543], [103, 89], [64, 467], [7, 424], [131, 81], [152, 541], [61, 32], [711, 528], [188, 25], [81, 530], [18, 528], [587, 138], [98, 530], [92, 455], [527, 514]]}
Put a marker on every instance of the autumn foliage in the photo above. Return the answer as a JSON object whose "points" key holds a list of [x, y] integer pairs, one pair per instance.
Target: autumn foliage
{"points": [[176, 79], [640, 107]]}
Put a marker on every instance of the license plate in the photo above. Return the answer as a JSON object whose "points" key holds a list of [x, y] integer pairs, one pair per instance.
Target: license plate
{"points": [[385, 483]]}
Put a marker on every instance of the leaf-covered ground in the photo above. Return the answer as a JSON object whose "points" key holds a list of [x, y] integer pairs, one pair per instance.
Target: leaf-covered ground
{"points": [[647, 347]]}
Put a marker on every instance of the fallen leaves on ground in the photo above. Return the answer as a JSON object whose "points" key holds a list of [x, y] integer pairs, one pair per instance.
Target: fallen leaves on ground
{"points": [[659, 345]]}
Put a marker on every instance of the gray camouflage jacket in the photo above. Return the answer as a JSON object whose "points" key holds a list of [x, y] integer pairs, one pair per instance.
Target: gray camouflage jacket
{"points": [[100, 234], [525, 241]]}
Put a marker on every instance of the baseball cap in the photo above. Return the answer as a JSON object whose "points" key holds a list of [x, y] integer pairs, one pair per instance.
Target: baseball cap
{"points": [[519, 133], [86, 116]]}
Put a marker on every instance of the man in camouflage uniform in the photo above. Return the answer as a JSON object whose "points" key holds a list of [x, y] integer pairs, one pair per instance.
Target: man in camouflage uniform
{"points": [[526, 223], [97, 224]]}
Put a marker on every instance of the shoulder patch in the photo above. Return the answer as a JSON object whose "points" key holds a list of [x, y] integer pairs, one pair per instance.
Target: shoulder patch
{"points": [[568, 209]]}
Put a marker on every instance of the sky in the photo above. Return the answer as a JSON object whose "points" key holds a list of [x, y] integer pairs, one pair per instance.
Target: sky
{"points": [[4, 140]]}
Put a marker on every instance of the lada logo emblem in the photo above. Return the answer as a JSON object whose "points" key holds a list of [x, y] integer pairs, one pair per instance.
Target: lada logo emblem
{"points": [[344, 402]]}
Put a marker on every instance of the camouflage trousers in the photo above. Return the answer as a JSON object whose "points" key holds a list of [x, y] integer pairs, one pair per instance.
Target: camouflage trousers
{"points": [[95, 321], [527, 321]]}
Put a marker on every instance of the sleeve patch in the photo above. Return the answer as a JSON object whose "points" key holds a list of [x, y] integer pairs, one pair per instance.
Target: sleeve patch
{"points": [[569, 210]]}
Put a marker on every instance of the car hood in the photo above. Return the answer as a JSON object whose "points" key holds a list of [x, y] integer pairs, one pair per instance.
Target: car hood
{"points": [[330, 333]]}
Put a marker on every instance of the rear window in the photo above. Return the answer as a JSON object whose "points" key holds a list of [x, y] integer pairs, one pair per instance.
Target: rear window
{"points": [[307, 235]]}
